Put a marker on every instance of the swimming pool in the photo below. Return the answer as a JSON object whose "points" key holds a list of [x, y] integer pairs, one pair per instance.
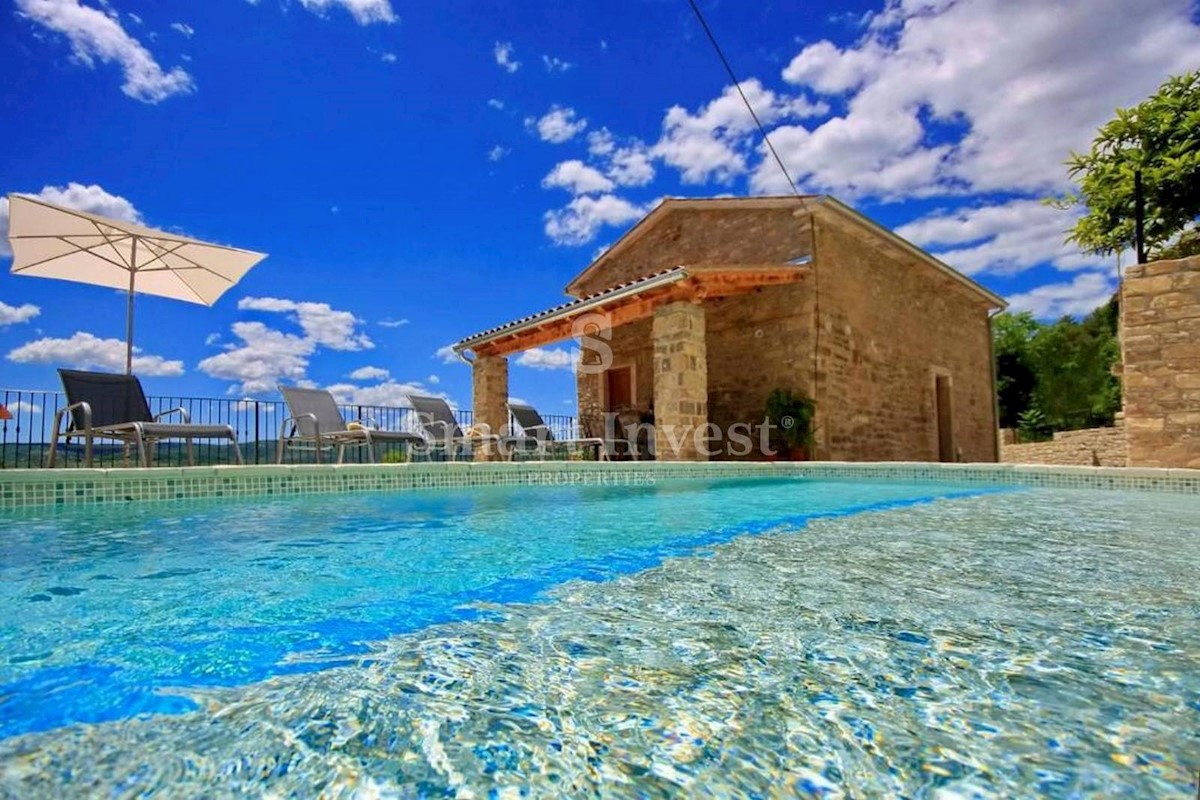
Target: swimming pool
{"points": [[730, 637]]}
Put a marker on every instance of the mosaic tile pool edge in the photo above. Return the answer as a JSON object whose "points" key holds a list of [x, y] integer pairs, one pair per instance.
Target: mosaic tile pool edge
{"points": [[41, 487]]}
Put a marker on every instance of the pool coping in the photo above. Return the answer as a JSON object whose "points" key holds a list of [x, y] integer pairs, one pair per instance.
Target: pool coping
{"points": [[31, 488]]}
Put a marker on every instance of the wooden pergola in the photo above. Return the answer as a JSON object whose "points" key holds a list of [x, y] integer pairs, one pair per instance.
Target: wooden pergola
{"points": [[674, 297], [631, 302]]}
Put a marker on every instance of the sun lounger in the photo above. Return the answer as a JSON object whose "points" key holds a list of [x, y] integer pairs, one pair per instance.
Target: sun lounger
{"points": [[539, 437], [316, 423], [106, 406], [442, 430]]}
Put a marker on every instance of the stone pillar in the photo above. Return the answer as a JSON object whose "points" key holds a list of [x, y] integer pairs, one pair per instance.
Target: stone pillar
{"points": [[489, 381], [680, 381], [589, 383], [1160, 351]]}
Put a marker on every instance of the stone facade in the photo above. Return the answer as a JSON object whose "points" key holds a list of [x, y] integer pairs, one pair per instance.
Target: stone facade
{"points": [[1092, 447], [894, 348], [758, 343], [725, 236], [489, 382], [889, 326], [1160, 342], [680, 382], [890, 323]]}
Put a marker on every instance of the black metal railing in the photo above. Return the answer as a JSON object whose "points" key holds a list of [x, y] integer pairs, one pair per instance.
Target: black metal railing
{"points": [[27, 428]]}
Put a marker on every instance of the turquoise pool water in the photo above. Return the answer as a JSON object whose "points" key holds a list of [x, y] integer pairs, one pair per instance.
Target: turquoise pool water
{"points": [[730, 638]]}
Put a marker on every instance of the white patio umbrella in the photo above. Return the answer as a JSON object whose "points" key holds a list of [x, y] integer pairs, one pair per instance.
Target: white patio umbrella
{"points": [[53, 242]]}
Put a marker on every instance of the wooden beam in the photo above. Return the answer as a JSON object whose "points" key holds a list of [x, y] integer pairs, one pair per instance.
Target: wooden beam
{"points": [[709, 283]]}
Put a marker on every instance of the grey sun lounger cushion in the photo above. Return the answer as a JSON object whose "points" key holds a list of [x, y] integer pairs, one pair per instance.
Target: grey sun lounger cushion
{"points": [[315, 414], [107, 406]]}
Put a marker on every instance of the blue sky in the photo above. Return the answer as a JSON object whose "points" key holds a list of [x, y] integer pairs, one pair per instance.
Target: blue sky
{"points": [[418, 172]]}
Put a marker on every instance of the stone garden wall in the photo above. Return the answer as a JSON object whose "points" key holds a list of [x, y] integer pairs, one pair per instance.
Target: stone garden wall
{"points": [[1160, 343], [1092, 447]]}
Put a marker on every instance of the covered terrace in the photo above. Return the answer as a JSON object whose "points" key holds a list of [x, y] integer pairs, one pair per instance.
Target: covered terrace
{"points": [[672, 302]]}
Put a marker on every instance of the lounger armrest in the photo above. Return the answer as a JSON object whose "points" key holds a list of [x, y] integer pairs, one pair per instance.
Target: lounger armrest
{"points": [[181, 411], [297, 418], [87, 416]]}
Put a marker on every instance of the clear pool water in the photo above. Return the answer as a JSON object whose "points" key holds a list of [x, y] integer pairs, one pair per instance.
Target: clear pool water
{"points": [[724, 638]]}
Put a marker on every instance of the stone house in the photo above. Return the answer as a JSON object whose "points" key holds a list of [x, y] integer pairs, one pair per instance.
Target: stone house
{"points": [[706, 306]]}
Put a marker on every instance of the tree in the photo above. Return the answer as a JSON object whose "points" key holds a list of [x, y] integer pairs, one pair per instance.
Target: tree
{"points": [[1015, 379], [1058, 376], [1160, 137]]}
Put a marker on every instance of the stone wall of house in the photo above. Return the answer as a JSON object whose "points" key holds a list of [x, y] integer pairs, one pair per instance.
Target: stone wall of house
{"points": [[888, 325], [1091, 447], [719, 236], [757, 343], [1160, 343]]}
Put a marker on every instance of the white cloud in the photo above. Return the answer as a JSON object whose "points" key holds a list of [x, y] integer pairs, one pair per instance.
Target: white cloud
{"points": [[364, 12], [433, 379], [977, 95], [325, 326], [546, 358], [496, 104], [11, 315], [831, 70], [369, 374], [388, 58], [85, 351], [250, 404], [1001, 239], [625, 164], [498, 152], [505, 57], [21, 407], [584, 216], [97, 36], [183, 28], [577, 178], [1083, 293], [447, 355], [392, 323], [212, 339], [631, 165], [711, 144], [557, 125], [553, 64], [266, 356], [388, 394], [601, 142], [93, 199]]}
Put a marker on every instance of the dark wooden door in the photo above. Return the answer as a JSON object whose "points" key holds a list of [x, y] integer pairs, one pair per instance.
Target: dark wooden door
{"points": [[620, 388], [945, 419]]}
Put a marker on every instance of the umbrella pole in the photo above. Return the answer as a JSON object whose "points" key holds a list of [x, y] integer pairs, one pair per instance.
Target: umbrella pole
{"points": [[129, 311]]}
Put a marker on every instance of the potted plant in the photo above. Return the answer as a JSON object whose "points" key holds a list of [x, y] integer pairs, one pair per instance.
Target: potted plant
{"points": [[791, 419]]}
